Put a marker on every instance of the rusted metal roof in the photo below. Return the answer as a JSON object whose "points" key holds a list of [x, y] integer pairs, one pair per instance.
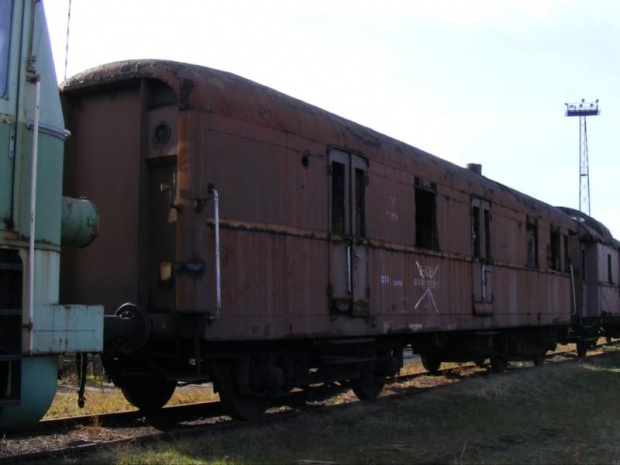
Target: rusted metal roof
{"points": [[595, 229], [209, 90]]}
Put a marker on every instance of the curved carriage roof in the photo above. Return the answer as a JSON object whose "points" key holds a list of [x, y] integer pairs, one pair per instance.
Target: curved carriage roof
{"points": [[219, 92], [596, 230]]}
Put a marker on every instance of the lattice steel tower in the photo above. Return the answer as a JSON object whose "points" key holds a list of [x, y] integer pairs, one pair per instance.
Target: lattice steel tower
{"points": [[583, 110]]}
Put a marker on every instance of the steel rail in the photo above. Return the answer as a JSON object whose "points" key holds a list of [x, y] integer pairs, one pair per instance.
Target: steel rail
{"points": [[170, 419]]}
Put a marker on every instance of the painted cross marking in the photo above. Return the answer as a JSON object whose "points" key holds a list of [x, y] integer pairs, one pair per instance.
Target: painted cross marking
{"points": [[427, 274]]}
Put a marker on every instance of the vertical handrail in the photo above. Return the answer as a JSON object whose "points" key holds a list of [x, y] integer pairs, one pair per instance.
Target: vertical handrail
{"points": [[33, 208], [572, 285], [349, 271], [218, 271]]}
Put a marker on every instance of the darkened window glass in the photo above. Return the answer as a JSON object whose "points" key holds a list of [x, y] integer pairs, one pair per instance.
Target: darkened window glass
{"points": [[487, 233], [6, 7], [360, 195], [532, 246], [476, 232], [481, 228], [555, 252], [425, 219], [609, 274], [338, 197]]}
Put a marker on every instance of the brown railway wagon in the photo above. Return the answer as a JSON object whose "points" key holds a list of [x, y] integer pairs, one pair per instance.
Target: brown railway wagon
{"points": [[596, 278], [337, 245]]}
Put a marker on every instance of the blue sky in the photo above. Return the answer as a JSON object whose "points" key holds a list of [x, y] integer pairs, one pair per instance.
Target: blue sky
{"points": [[481, 81]]}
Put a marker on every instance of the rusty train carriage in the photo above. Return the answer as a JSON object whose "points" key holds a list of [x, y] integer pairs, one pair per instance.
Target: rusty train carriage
{"points": [[597, 278], [338, 245]]}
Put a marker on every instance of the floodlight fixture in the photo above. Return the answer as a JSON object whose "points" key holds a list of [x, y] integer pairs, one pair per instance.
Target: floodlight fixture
{"points": [[582, 108]]}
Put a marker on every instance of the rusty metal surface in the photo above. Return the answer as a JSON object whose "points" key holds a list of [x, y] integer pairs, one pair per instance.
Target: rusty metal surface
{"points": [[107, 172], [597, 268], [268, 156]]}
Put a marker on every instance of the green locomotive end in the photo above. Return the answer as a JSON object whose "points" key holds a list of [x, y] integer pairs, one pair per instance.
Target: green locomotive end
{"points": [[34, 327]]}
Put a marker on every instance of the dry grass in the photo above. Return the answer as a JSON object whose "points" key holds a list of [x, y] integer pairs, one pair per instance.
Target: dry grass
{"points": [[105, 398], [102, 397], [554, 414]]}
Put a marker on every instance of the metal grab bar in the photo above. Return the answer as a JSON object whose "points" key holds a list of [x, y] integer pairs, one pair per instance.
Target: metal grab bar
{"points": [[218, 270], [572, 285], [349, 271], [33, 213]]}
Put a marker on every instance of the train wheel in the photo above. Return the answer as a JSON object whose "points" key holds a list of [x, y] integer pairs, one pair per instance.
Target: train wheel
{"points": [[431, 362], [499, 364], [39, 376], [539, 359], [582, 348], [238, 405], [147, 393], [368, 389]]}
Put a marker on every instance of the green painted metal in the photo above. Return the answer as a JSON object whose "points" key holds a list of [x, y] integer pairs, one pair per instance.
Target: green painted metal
{"points": [[38, 386], [80, 222], [68, 328], [16, 115], [60, 328], [49, 187], [6, 177], [53, 328]]}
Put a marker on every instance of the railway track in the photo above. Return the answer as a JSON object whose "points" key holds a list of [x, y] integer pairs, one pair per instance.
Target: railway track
{"points": [[74, 436]]}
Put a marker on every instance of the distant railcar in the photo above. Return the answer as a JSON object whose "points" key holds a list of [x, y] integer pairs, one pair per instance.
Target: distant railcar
{"points": [[596, 281], [259, 242]]}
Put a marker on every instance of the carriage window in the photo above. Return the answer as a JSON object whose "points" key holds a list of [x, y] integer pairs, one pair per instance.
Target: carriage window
{"points": [[349, 177], [611, 281], [566, 260], [532, 246], [481, 229], [360, 195], [425, 219], [475, 232], [487, 232], [338, 197], [555, 252], [5, 35]]}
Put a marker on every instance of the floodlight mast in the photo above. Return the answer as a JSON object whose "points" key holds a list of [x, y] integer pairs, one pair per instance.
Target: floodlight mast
{"points": [[583, 110]]}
